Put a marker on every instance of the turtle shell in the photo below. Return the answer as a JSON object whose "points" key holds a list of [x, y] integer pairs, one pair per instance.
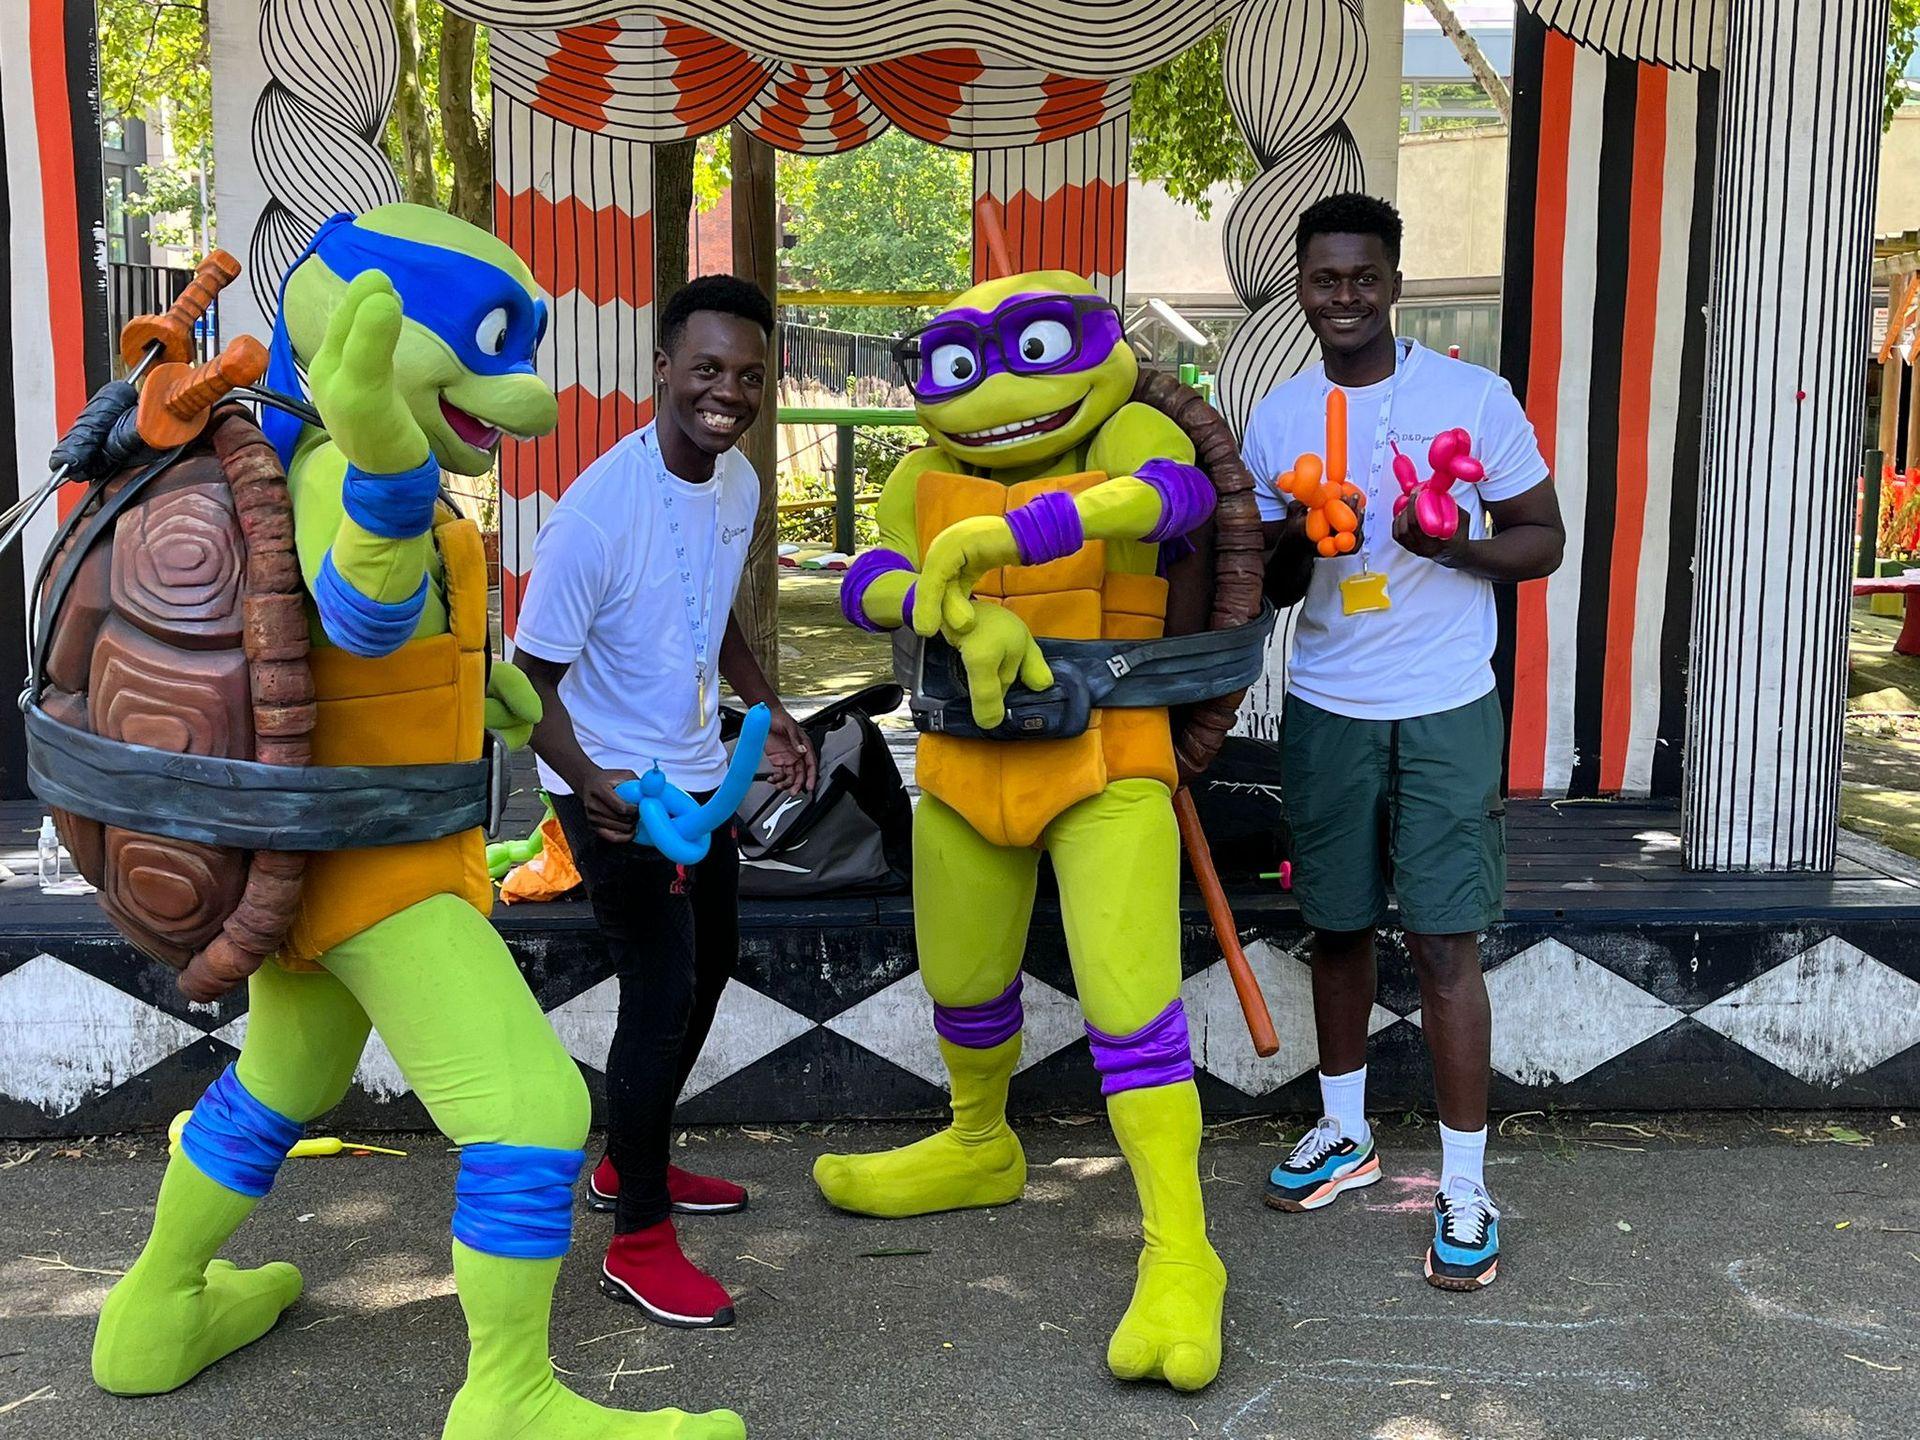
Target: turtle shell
{"points": [[1221, 584], [183, 628]]}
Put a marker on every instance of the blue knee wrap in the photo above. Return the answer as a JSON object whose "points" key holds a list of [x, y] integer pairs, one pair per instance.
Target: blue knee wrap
{"points": [[516, 1200], [234, 1140]]}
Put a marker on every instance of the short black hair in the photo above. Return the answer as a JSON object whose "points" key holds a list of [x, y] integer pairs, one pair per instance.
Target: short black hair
{"points": [[1350, 214], [725, 294]]}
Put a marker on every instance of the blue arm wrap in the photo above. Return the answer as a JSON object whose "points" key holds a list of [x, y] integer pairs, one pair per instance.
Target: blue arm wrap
{"points": [[516, 1200], [396, 507], [359, 625], [234, 1140]]}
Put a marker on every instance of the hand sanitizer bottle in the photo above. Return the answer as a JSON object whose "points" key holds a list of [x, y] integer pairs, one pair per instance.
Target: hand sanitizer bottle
{"points": [[49, 854]]}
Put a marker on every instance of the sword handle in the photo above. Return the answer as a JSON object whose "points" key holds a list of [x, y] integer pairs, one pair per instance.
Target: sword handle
{"points": [[172, 332]]}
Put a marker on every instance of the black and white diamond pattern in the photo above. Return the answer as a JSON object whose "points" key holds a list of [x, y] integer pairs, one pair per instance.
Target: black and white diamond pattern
{"points": [[828, 1018]]}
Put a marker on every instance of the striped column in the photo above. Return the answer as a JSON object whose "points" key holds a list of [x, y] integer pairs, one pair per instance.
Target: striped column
{"points": [[577, 206], [1792, 247], [1609, 228], [53, 350], [1065, 202]]}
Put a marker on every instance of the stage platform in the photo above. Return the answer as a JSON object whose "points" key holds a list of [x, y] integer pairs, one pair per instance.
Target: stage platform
{"points": [[1619, 980]]}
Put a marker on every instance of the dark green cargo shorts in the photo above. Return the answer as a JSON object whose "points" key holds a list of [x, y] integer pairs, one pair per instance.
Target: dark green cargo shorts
{"points": [[1415, 803]]}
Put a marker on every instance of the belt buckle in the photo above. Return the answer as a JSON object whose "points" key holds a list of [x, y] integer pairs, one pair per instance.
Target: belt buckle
{"points": [[499, 783]]}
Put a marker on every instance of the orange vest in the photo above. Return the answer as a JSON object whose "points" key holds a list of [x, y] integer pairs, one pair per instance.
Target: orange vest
{"points": [[1010, 790], [423, 704]]}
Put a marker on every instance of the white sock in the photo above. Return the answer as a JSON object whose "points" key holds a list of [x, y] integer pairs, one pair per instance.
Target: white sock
{"points": [[1463, 1155], [1344, 1097]]}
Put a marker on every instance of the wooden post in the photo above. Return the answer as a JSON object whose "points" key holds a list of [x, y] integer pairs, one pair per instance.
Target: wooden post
{"points": [[843, 489], [756, 258]]}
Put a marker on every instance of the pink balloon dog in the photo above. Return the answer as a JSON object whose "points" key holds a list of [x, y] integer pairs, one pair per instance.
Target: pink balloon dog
{"points": [[1434, 508]]}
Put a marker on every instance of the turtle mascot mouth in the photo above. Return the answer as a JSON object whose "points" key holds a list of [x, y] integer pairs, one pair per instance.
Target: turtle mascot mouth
{"points": [[1018, 372]]}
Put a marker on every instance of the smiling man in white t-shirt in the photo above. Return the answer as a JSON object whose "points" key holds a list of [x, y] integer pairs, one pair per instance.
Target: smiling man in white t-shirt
{"points": [[626, 633], [1393, 734]]}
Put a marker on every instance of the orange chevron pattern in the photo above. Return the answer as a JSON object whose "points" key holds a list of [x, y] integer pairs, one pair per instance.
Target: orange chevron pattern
{"points": [[604, 253], [715, 79], [1072, 105], [576, 88], [923, 93], [1082, 228]]}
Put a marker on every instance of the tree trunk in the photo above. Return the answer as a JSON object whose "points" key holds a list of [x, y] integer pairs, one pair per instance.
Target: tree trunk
{"points": [[672, 213], [755, 258], [464, 125], [409, 120], [1470, 52]]}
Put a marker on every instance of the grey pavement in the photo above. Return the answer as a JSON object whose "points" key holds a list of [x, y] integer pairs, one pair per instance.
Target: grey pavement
{"points": [[1673, 1278]]}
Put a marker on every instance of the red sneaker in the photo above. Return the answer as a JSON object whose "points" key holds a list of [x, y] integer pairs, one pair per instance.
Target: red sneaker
{"points": [[690, 1194], [703, 1194], [647, 1269]]}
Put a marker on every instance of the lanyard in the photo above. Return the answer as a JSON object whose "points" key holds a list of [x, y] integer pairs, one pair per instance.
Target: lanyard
{"points": [[1377, 458], [699, 618]]}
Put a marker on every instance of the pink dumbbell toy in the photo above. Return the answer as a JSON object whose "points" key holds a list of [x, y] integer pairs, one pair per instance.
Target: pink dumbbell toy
{"points": [[1434, 509]]}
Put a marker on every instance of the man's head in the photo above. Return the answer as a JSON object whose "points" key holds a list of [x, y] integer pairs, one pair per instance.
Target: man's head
{"points": [[1348, 248], [711, 366]]}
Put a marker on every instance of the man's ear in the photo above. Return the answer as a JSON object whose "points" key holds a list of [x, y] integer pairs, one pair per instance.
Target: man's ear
{"points": [[662, 362], [1396, 287]]}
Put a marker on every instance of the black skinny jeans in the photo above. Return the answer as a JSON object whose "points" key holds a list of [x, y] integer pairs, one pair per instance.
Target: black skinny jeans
{"points": [[674, 936]]}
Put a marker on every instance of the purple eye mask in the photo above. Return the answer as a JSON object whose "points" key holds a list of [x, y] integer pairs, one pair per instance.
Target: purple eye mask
{"points": [[989, 335]]}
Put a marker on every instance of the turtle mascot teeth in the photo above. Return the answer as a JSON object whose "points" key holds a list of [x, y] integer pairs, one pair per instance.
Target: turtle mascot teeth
{"points": [[1045, 509], [416, 333]]}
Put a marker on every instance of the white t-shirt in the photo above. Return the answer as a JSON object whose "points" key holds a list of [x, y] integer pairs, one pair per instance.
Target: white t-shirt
{"points": [[606, 598], [1431, 651]]}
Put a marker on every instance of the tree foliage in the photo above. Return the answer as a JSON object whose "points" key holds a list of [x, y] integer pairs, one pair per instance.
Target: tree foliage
{"points": [[438, 136], [1903, 31], [894, 214], [153, 55], [1184, 136]]}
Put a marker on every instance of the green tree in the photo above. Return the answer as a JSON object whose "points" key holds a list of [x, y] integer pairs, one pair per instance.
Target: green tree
{"points": [[1903, 31], [439, 134], [154, 57], [1184, 136], [894, 214]]}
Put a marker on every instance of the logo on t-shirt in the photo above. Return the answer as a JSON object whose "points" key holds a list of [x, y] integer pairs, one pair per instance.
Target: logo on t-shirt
{"points": [[731, 533]]}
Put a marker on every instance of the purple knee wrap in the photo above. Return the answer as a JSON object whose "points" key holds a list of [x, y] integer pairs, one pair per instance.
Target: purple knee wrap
{"points": [[981, 1027], [1158, 1053]]}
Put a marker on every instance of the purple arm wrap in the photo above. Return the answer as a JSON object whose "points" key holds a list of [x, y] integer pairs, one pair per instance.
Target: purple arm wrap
{"points": [[981, 1027], [1158, 1053], [1046, 528], [868, 567], [1186, 497]]}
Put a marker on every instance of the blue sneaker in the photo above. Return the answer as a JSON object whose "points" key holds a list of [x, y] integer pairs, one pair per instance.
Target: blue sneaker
{"points": [[1323, 1163], [1465, 1254]]}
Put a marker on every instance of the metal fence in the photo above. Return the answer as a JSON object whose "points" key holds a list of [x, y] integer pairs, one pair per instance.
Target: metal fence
{"points": [[830, 358], [149, 290]]}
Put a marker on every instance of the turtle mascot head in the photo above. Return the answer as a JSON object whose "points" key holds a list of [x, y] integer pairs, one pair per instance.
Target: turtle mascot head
{"points": [[473, 319], [1019, 370]]}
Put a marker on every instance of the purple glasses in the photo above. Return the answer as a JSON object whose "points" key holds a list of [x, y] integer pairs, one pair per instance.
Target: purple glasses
{"points": [[1027, 335]]}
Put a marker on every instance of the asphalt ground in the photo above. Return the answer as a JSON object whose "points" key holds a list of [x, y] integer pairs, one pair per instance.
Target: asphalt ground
{"points": [[1664, 1277]]}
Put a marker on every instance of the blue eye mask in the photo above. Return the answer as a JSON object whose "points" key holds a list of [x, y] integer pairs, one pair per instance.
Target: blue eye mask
{"points": [[484, 314]]}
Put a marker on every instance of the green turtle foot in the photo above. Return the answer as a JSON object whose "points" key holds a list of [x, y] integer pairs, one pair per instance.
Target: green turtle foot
{"points": [[941, 1172], [552, 1412], [1171, 1331], [155, 1337]]}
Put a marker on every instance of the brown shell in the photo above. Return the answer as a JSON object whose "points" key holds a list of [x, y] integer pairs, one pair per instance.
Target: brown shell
{"points": [[1236, 551], [184, 630]]}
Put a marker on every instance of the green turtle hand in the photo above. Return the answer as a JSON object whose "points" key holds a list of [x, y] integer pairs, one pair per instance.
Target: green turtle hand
{"points": [[997, 651], [513, 708], [353, 386], [957, 560]]}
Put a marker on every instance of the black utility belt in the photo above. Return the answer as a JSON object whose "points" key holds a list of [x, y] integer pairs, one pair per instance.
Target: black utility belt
{"points": [[1088, 675]]}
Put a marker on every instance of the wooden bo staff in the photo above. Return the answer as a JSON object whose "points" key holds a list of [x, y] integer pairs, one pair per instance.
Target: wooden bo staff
{"points": [[1252, 1003]]}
